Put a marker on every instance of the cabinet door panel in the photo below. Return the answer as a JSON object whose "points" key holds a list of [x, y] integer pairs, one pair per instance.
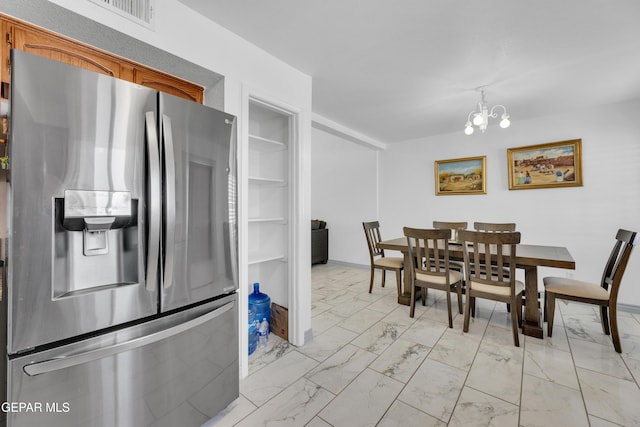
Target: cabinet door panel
{"points": [[5, 47], [168, 84], [59, 49]]}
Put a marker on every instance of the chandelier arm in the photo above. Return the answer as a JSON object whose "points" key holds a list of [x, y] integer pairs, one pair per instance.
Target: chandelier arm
{"points": [[493, 114]]}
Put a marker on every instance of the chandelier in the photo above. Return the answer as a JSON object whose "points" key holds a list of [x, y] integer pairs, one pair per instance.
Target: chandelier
{"points": [[481, 116]]}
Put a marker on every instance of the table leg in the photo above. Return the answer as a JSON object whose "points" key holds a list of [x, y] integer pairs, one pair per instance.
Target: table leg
{"points": [[531, 323], [405, 298]]}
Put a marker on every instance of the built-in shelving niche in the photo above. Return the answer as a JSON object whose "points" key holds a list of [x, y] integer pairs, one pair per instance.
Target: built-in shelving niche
{"points": [[270, 137]]}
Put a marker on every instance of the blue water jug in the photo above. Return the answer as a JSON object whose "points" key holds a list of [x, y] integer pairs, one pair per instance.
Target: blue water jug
{"points": [[261, 304], [253, 331]]}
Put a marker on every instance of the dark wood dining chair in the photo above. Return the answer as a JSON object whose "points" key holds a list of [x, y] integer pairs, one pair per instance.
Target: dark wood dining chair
{"points": [[604, 294], [426, 244], [454, 227], [377, 257], [495, 227], [482, 248]]}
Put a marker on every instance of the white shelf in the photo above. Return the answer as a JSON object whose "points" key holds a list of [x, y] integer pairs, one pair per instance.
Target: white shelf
{"points": [[260, 258], [258, 143], [274, 220], [266, 181]]}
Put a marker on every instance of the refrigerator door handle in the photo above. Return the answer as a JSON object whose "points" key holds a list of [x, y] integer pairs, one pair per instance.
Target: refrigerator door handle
{"points": [[69, 361], [153, 245], [170, 201], [233, 186]]}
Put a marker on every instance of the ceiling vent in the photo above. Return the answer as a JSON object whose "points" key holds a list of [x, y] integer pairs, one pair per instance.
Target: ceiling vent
{"points": [[139, 11]]}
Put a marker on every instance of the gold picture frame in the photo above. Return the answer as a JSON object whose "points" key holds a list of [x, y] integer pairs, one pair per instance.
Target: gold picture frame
{"points": [[461, 176], [556, 164]]}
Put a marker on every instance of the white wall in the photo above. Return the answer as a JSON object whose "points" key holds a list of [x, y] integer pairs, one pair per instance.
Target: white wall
{"points": [[584, 219], [344, 179]]}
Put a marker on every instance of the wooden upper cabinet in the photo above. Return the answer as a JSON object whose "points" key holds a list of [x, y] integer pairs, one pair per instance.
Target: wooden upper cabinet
{"points": [[165, 83], [23, 36]]}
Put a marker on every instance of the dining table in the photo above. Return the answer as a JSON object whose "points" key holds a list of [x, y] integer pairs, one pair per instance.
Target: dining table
{"points": [[528, 258]]}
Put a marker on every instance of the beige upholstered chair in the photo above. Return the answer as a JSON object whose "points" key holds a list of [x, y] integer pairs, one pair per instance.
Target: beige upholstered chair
{"points": [[424, 244], [378, 259], [482, 248], [604, 294]]}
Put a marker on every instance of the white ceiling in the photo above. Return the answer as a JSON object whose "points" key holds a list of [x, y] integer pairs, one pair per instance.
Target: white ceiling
{"points": [[401, 70]]}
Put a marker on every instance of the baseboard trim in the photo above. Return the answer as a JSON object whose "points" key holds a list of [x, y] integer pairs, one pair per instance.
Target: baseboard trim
{"points": [[629, 308], [308, 336], [349, 264]]}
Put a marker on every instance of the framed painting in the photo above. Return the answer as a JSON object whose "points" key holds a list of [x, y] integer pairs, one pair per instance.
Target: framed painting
{"points": [[556, 164], [461, 176]]}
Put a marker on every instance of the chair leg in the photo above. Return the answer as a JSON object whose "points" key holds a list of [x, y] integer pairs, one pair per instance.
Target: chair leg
{"points": [[459, 292], [614, 327], [423, 293], [473, 307], [544, 307], [449, 309], [399, 281], [384, 275], [371, 280], [604, 319], [514, 321], [412, 310], [551, 309], [467, 312]]}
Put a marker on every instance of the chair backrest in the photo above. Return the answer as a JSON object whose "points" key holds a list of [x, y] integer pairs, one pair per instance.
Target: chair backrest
{"points": [[453, 226], [494, 226], [372, 232], [426, 245], [617, 262], [482, 248]]}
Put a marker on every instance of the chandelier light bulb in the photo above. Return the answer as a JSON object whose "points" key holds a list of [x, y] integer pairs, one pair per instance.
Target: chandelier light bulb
{"points": [[468, 129], [478, 120], [505, 122]]}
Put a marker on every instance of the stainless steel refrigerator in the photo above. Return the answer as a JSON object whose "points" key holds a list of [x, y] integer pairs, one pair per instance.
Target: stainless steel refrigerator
{"points": [[119, 303]]}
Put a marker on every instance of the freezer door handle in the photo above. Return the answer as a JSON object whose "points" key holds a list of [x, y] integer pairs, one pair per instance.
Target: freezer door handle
{"points": [[154, 204], [170, 201], [72, 360]]}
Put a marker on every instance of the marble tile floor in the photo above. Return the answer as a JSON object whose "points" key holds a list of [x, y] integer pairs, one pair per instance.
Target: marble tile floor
{"points": [[370, 364]]}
